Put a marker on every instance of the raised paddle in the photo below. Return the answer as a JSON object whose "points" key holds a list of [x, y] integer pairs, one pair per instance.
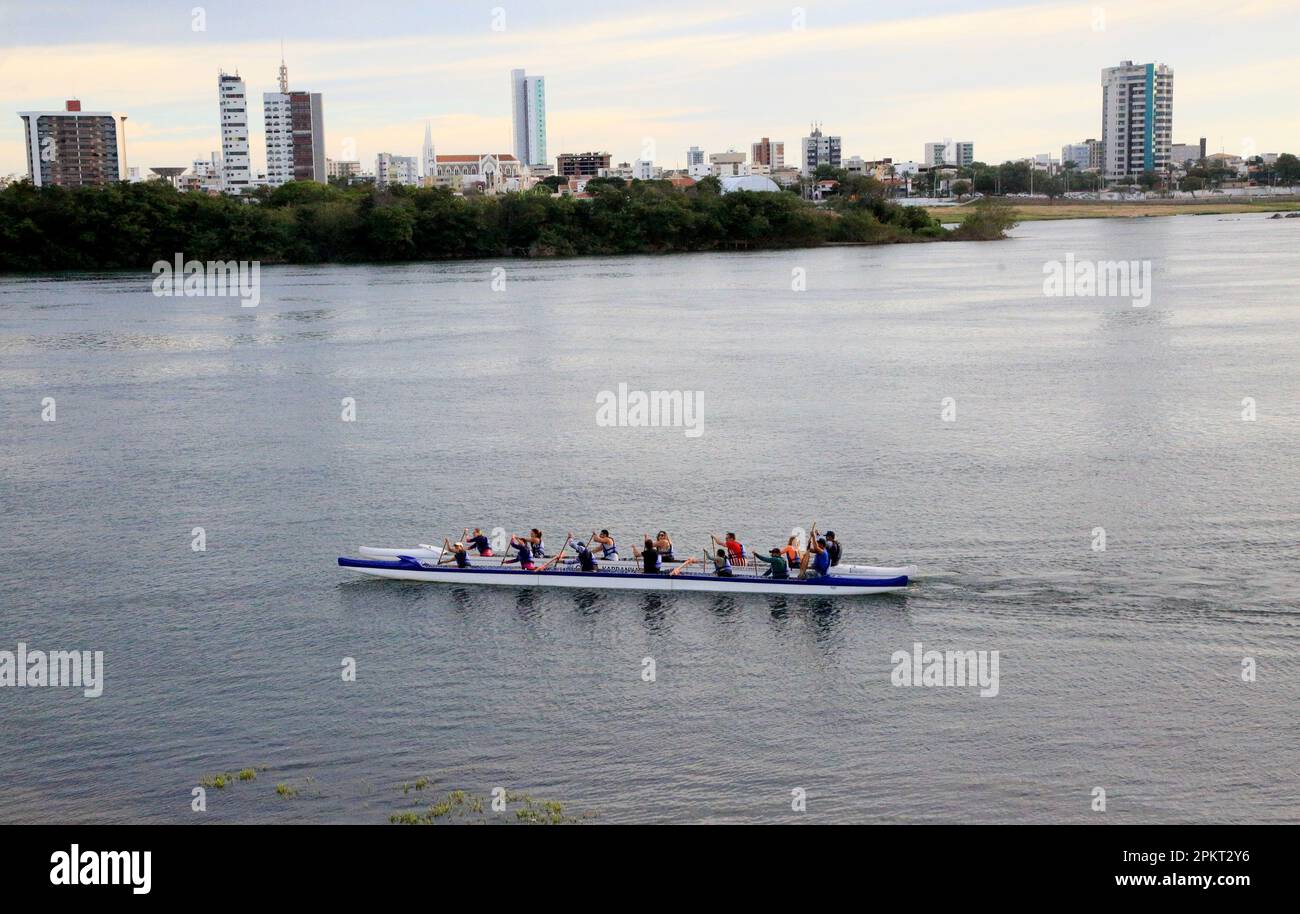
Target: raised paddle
{"points": [[807, 553], [443, 551]]}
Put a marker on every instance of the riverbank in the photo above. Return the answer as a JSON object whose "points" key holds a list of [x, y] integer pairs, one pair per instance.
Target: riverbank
{"points": [[1040, 210], [134, 226]]}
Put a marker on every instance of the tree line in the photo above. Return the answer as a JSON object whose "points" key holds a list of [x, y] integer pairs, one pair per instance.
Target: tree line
{"points": [[130, 226]]}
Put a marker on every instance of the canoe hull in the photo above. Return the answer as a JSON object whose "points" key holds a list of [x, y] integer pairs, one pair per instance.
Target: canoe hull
{"points": [[409, 569]]}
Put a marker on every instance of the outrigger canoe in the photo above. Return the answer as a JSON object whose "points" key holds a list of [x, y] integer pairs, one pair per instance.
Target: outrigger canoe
{"points": [[427, 553], [613, 577]]}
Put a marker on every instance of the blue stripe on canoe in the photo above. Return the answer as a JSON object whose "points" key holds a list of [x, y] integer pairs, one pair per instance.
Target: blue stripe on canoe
{"points": [[835, 580]]}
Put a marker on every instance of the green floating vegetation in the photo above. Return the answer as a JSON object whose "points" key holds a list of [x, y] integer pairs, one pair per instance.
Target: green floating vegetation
{"points": [[286, 791], [223, 779], [461, 807]]}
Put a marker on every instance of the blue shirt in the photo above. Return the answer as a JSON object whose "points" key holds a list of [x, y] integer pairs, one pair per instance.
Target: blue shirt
{"points": [[821, 562]]}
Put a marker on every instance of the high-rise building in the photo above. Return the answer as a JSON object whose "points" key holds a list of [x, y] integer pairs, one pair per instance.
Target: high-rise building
{"points": [[75, 148], [767, 152], [234, 133], [694, 157], [528, 106], [820, 150], [295, 134], [958, 153], [579, 164], [1137, 117], [391, 169]]}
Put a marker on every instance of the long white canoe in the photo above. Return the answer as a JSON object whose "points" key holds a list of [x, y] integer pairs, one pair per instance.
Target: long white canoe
{"points": [[745, 580], [427, 553]]}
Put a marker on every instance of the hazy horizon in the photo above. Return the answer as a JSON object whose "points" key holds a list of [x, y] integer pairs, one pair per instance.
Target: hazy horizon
{"points": [[1016, 79]]}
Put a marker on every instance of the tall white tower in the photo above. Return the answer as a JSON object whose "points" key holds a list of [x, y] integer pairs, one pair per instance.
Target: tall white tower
{"points": [[234, 133], [1137, 119], [528, 109]]}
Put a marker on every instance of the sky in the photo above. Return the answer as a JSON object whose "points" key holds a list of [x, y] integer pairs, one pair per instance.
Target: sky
{"points": [[649, 80]]}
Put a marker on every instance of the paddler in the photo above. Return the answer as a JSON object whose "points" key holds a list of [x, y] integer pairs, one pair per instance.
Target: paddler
{"points": [[650, 558], [534, 539], [821, 559], [664, 546], [777, 566], [609, 550], [722, 564], [461, 556], [586, 561], [480, 542], [833, 547], [525, 553], [735, 551]]}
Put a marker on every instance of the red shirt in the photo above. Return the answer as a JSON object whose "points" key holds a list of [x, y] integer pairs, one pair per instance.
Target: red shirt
{"points": [[734, 548]]}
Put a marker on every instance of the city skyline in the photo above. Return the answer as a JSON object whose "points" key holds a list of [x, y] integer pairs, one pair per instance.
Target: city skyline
{"points": [[623, 82]]}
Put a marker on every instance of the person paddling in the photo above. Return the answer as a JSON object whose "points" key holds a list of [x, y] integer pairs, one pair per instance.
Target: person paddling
{"points": [[586, 561], [833, 547], [461, 556], [821, 559], [524, 556], [534, 540], [650, 558], [609, 549], [722, 564], [480, 542], [735, 551], [777, 566]]}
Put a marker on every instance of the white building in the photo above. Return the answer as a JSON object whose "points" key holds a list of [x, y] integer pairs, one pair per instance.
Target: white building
{"points": [[694, 157], [391, 169], [960, 153], [295, 134], [528, 107], [819, 149], [1137, 119], [752, 183], [646, 171], [487, 172], [729, 163], [233, 101], [342, 168], [210, 175]]}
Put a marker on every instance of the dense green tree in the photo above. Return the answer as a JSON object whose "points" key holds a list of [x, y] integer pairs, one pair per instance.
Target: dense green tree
{"points": [[133, 225]]}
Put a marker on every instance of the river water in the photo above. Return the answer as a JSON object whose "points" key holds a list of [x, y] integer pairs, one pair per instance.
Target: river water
{"points": [[474, 387]]}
